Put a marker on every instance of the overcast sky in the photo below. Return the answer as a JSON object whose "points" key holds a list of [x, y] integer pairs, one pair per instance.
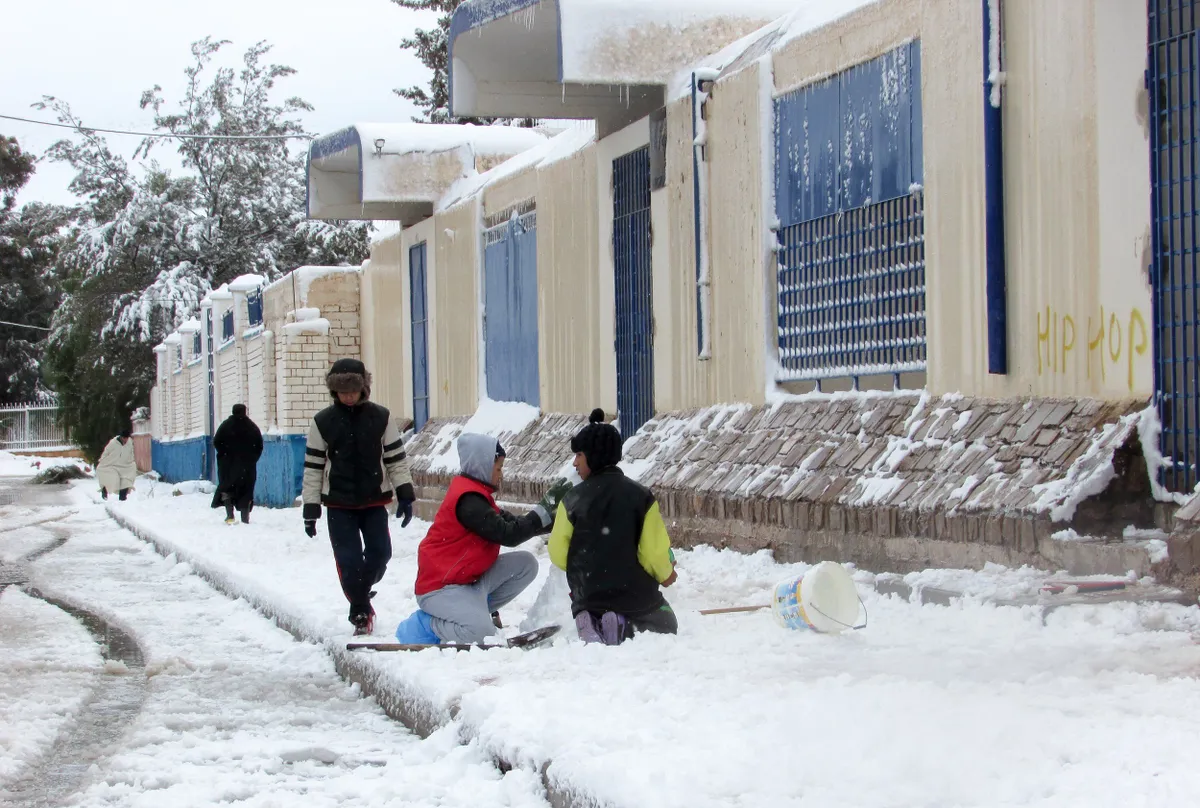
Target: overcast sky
{"points": [[100, 54]]}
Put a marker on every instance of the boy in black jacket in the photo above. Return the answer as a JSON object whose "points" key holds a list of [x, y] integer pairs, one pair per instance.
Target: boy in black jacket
{"points": [[610, 538]]}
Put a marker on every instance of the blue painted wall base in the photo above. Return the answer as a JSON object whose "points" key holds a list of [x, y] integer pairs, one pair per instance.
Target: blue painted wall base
{"points": [[180, 460], [280, 469]]}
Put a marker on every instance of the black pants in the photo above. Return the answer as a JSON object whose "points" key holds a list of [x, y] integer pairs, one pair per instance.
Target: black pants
{"points": [[362, 548], [661, 620]]}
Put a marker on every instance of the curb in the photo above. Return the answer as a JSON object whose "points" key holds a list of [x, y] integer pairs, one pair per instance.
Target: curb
{"points": [[399, 701]]}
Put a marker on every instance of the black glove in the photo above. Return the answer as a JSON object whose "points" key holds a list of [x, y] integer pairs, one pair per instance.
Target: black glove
{"points": [[310, 527], [404, 504]]}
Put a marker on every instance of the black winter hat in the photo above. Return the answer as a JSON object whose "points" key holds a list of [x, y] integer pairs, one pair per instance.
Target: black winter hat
{"points": [[239, 410], [348, 376], [599, 442]]}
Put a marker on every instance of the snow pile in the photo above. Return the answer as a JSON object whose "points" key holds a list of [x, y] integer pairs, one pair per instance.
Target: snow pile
{"points": [[301, 279], [546, 153], [500, 419], [247, 283], [407, 138], [308, 321]]}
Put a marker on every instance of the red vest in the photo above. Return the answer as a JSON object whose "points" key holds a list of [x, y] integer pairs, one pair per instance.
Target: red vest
{"points": [[449, 553]]}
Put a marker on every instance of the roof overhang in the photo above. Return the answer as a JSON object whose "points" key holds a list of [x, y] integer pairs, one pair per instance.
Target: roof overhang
{"points": [[397, 172], [604, 60]]}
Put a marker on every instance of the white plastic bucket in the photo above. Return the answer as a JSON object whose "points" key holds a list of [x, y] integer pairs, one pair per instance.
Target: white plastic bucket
{"points": [[824, 599]]}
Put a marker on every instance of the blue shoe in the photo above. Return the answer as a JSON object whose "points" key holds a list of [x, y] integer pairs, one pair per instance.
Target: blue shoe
{"points": [[416, 629]]}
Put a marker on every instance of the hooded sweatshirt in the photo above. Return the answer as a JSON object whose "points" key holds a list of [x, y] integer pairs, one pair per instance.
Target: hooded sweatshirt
{"points": [[470, 528]]}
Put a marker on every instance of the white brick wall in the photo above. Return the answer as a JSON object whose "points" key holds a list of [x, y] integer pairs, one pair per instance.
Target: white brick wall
{"points": [[256, 381]]}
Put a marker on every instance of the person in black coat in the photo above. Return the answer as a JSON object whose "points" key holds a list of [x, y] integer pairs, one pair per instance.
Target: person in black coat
{"points": [[238, 444]]}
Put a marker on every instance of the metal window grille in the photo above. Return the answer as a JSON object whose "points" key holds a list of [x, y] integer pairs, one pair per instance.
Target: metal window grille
{"points": [[1173, 81], [510, 307], [31, 426], [254, 307], [197, 348], [178, 357], [227, 326], [851, 260]]}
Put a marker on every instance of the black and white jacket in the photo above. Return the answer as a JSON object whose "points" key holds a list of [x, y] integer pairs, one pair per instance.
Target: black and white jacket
{"points": [[354, 459]]}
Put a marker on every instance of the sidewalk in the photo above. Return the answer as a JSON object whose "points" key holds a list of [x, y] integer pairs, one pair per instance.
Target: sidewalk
{"points": [[968, 705]]}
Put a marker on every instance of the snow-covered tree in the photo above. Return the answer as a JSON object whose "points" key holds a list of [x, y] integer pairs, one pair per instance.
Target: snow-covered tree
{"points": [[29, 241], [432, 47], [148, 245]]}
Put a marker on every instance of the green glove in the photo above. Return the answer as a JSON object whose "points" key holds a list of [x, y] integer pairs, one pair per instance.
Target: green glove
{"points": [[553, 496]]}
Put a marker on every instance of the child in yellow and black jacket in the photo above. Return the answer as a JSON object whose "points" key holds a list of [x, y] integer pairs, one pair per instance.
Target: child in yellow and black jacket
{"points": [[610, 538]]}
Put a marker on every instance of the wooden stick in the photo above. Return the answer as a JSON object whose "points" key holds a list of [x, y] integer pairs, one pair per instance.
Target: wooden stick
{"points": [[732, 609]]}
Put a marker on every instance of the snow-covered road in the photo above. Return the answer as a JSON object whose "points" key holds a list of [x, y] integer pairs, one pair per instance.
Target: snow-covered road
{"points": [[235, 711]]}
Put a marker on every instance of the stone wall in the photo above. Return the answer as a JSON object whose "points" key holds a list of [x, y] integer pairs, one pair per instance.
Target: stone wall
{"points": [[302, 392], [891, 482], [336, 295]]}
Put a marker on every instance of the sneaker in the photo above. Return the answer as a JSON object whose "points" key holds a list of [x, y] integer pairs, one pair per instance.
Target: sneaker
{"points": [[364, 624], [586, 625], [496, 620], [612, 628]]}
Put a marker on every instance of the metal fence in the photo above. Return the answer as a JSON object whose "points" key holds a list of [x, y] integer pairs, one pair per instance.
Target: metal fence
{"points": [[31, 426]]}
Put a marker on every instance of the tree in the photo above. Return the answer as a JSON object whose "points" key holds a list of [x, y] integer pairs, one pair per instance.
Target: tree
{"points": [[432, 46], [29, 241], [147, 246]]}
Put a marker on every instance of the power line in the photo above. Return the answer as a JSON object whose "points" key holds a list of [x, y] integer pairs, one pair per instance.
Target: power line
{"points": [[82, 128], [25, 325]]}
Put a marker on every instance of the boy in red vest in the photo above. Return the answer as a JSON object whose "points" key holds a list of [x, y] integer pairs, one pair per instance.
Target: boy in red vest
{"points": [[462, 578]]}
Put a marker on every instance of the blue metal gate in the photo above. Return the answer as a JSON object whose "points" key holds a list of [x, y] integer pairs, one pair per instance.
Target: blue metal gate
{"points": [[851, 275], [1174, 70], [635, 303], [420, 334], [510, 317]]}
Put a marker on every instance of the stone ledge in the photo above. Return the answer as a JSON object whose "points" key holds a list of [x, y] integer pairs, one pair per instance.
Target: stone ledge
{"points": [[889, 481]]}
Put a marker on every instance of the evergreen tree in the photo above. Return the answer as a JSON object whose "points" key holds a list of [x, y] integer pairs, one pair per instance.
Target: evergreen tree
{"points": [[29, 240], [147, 246], [432, 47]]}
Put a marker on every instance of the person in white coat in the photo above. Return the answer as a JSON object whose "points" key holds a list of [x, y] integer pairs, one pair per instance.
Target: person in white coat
{"points": [[117, 468]]}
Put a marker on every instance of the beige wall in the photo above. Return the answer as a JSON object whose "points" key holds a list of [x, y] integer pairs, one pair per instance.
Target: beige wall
{"points": [[454, 311], [571, 346], [1076, 184]]}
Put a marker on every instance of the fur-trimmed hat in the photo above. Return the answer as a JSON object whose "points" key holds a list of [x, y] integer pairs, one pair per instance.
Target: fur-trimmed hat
{"points": [[348, 376], [599, 442]]}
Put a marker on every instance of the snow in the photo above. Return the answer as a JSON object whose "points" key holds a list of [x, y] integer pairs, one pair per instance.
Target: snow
{"points": [[318, 325], [306, 314], [1149, 430], [236, 710], [301, 280], [971, 705], [404, 138], [974, 685], [247, 283], [189, 326], [794, 20], [546, 153], [490, 418], [47, 664]]}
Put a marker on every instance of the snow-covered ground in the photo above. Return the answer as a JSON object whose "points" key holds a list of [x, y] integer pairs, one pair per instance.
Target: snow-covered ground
{"points": [[970, 705], [237, 711]]}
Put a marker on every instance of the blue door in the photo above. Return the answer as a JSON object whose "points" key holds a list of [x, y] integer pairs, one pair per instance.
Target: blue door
{"points": [[635, 304], [1174, 322], [510, 326], [420, 334]]}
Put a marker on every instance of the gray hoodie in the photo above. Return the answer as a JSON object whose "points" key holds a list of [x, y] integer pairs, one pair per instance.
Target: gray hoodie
{"points": [[477, 456]]}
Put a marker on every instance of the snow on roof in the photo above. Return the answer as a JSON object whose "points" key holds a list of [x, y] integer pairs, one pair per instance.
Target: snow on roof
{"points": [[173, 338], [551, 151], [190, 326], [247, 283], [404, 138], [303, 277], [801, 18], [221, 293], [315, 326]]}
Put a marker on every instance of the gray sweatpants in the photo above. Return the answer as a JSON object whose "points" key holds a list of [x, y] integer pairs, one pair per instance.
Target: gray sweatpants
{"points": [[463, 612]]}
